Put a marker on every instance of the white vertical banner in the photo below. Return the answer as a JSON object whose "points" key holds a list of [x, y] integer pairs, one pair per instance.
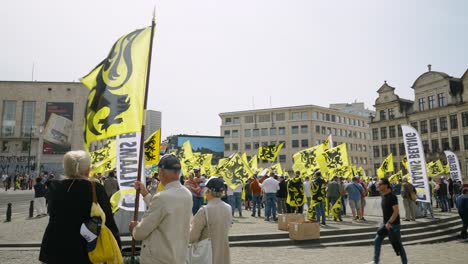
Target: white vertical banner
{"points": [[330, 141], [416, 163], [128, 152], [454, 165]]}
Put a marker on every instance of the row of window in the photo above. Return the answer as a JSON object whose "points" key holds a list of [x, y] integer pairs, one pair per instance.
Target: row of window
{"points": [[295, 116], [383, 114], [295, 130], [9, 118], [441, 102], [435, 125], [452, 143]]}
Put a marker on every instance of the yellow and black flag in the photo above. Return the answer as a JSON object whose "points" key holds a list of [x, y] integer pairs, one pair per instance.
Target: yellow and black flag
{"points": [[115, 101], [386, 166], [269, 153], [333, 158], [104, 159], [152, 148]]}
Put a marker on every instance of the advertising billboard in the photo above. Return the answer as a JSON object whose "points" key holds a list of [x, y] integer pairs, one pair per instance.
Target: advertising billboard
{"points": [[58, 129], [205, 144]]}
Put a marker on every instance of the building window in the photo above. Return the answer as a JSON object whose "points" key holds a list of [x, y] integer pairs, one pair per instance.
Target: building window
{"points": [[304, 115], [227, 133], [295, 143], [5, 146], [248, 119], [304, 129], [455, 143], [391, 131], [430, 101], [9, 118], [27, 120], [305, 143], [435, 145], [376, 152], [295, 115], [464, 116], [282, 158], [227, 147], [391, 114], [25, 146], [364, 148], [375, 133], [272, 142], [256, 132], [227, 121], [383, 132], [443, 123], [283, 142], [421, 103], [333, 118], [415, 125], [273, 131], [280, 117], [235, 146], [393, 149], [400, 132], [423, 127], [236, 120], [453, 121], [264, 118], [327, 117], [264, 143], [294, 130], [402, 150], [384, 151], [282, 131], [445, 144], [425, 146], [264, 132], [441, 99], [383, 115], [247, 132], [314, 115], [235, 133], [433, 125], [256, 145], [317, 129], [248, 146]]}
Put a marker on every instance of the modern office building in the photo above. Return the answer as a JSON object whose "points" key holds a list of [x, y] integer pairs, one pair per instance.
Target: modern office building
{"points": [[439, 112], [26, 107], [298, 127], [152, 122]]}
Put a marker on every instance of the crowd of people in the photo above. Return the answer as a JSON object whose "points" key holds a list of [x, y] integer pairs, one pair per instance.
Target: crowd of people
{"points": [[17, 182]]}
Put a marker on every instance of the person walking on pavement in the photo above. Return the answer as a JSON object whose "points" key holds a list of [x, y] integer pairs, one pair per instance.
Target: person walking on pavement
{"points": [[391, 223], [39, 198], [462, 206], [256, 196], [408, 193], [281, 195], [354, 191], [334, 195], [270, 186]]}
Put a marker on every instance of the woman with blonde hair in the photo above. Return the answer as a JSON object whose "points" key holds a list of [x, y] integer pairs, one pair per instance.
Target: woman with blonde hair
{"points": [[69, 203], [213, 222]]}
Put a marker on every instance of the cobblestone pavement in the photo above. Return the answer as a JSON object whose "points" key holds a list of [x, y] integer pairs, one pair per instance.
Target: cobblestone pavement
{"points": [[450, 252]]}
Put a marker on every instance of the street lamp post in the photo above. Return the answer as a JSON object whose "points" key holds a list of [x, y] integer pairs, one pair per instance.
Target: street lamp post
{"points": [[29, 152]]}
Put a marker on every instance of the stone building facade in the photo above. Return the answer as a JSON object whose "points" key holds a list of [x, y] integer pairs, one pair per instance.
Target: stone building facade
{"points": [[298, 127], [439, 112], [24, 107]]}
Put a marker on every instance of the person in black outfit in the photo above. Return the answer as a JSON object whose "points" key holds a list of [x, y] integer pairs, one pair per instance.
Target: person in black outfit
{"points": [[391, 223], [69, 206], [281, 196]]}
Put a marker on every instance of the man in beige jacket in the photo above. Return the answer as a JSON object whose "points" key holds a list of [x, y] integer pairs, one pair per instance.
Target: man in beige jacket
{"points": [[165, 227]]}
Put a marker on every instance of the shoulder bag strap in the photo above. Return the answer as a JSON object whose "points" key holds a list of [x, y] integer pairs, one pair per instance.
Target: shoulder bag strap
{"points": [[93, 191], [205, 209]]}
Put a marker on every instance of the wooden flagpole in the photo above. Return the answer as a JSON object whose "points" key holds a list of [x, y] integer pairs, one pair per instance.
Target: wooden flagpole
{"points": [[142, 137]]}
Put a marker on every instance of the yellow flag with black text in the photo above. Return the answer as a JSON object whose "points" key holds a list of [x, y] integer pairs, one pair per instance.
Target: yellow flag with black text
{"points": [[117, 88], [152, 148]]}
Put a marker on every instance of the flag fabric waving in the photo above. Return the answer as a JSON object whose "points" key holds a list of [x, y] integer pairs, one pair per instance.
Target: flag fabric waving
{"points": [[333, 158], [103, 159], [115, 101], [305, 160], [435, 168], [253, 162], [235, 170], [269, 153], [386, 166], [396, 177], [152, 148]]}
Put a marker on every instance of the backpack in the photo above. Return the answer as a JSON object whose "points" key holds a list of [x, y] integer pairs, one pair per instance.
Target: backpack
{"points": [[373, 190]]}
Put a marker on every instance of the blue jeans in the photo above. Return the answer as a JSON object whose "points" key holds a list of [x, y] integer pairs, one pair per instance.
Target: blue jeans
{"points": [[197, 203], [232, 202], [237, 203], [394, 235], [270, 208], [257, 203], [320, 212], [443, 203], [343, 204]]}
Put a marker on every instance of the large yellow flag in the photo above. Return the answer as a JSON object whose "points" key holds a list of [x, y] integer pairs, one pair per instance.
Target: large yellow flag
{"points": [[333, 158], [115, 101], [278, 169], [386, 166], [104, 159], [305, 160], [404, 161], [185, 155], [269, 153], [395, 177], [253, 162], [435, 168], [152, 148], [235, 170]]}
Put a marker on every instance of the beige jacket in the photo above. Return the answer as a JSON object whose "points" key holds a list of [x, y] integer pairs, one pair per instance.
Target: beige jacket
{"points": [[165, 226], [220, 219]]}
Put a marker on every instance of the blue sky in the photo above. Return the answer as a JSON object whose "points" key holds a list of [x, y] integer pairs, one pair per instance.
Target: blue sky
{"points": [[214, 56]]}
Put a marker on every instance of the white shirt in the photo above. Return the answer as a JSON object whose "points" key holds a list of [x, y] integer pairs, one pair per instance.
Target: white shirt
{"points": [[307, 189], [238, 189], [229, 191], [270, 185]]}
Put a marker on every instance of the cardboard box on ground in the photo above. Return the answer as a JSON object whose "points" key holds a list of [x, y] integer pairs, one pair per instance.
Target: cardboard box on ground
{"points": [[285, 219], [305, 230]]}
